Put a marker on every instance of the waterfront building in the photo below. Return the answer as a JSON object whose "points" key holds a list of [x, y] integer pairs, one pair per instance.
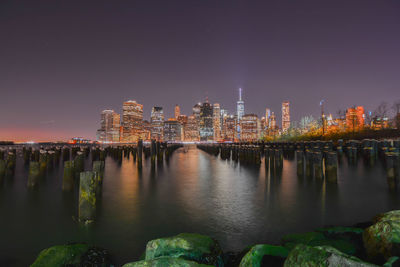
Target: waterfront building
{"points": [[172, 131], [229, 128], [206, 122], [196, 111], [157, 123], [109, 126], [217, 121], [145, 134], [182, 119], [132, 121], [285, 116], [177, 111], [191, 130], [250, 128], [379, 123], [355, 118]]}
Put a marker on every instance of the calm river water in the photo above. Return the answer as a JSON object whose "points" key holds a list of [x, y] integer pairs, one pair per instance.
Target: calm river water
{"points": [[195, 192]]}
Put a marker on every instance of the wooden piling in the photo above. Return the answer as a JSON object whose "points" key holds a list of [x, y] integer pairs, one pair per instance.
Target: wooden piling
{"points": [[87, 196]]}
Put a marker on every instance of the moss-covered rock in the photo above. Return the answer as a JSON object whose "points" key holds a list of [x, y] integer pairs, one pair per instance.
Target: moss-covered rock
{"points": [[382, 239], [165, 262], [392, 261], [346, 239], [321, 256], [61, 255], [73, 255], [199, 248], [267, 254]]}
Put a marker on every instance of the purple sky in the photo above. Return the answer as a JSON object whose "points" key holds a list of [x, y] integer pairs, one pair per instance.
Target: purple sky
{"points": [[63, 62]]}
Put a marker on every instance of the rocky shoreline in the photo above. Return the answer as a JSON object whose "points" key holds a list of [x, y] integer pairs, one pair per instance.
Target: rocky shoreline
{"points": [[376, 243]]}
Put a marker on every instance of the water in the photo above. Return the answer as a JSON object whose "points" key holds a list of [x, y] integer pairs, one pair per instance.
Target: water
{"points": [[195, 192]]}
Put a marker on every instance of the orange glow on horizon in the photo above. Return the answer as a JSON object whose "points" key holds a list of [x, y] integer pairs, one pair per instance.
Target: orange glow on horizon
{"points": [[36, 135]]}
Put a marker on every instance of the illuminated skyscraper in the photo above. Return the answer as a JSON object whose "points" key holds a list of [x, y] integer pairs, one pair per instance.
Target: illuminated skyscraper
{"points": [[196, 111], [355, 118], [285, 116], [182, 119], [272, 121], [267, 115], [132, 121], [206, 122], [191, 129], [157, 123], [229, 129], [172, 131], [109, 126], [177, 111], [217, 121], [240, 106], [250, 128]]}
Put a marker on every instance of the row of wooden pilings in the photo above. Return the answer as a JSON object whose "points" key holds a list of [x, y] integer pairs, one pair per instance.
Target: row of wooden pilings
{"points": [[41, 159], [318, 159]]}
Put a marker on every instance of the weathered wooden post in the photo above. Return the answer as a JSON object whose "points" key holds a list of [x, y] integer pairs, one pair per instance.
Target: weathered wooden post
{"points": [[300, 162], [331, 165], [98, 167], [317, 165], [11, 163], [308, 163], [140, 153], [79, 162], [87, 196], [2, 170], [65, 153], [390, 165], [34, 174], [153, 152], [43, 161], [278, 159], [68, 178]]}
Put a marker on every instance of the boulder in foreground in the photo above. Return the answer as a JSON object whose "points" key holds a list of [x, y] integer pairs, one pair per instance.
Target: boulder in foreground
{"points": [[268, 255], [72, 255], [321, 256], [194, 247], [382, 239], [164, 262]]}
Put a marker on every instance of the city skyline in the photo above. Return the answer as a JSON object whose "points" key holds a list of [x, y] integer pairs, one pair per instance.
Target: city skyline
{"points": [[59, 73]]}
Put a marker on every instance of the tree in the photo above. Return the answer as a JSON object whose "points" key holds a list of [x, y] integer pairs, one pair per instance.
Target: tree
{"points": [[381, 111], [341, 113], [396, 107]]}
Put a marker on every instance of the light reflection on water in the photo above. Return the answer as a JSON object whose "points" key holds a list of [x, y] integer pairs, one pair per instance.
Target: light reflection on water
{"points": [[193, 192]]}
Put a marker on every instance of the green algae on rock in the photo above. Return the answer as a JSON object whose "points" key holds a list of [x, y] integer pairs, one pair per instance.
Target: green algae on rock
{"points": [[195, 247], [164, 262], [256, 254], [382, 239], [61, 255], [341, 238], [321, 256]]}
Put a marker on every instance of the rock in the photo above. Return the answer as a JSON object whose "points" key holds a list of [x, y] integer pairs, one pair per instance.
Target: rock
{"points": [[346, 239], [73, 255], [61, 255], [267, 255], [321, 256], [392, 262], [382, 239], [195, 247], [164, 262]]}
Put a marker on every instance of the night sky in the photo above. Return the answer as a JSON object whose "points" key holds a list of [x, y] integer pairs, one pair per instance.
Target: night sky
{"points": [[63, 62]]}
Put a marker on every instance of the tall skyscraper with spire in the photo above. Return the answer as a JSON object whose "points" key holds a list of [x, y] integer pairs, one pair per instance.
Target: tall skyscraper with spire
{"points": [[240, 106]]}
